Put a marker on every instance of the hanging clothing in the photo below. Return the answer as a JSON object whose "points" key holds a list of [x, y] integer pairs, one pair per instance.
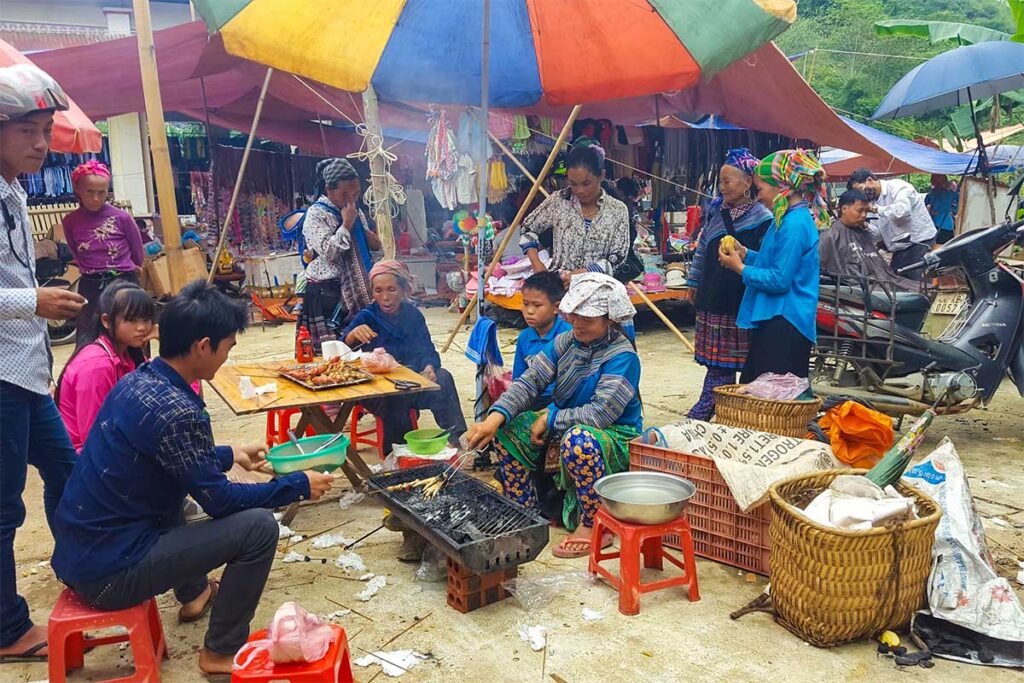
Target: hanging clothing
{"points": [[596, 389], [600, 248]]}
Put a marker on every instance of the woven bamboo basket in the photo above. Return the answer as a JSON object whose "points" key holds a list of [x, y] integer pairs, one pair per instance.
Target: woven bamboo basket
{"points": [[832, 586], [786, 418]]}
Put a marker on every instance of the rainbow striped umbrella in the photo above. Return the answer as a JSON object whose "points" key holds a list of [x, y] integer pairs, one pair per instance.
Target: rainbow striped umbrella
{"points": [[558, 52]]}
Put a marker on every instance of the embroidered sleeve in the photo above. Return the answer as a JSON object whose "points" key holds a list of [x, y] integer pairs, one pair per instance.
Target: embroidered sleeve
{"points": [[615, 389]]}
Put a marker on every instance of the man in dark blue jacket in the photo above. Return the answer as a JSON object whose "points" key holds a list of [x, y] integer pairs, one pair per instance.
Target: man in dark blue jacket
{"points": [[119, 530]]}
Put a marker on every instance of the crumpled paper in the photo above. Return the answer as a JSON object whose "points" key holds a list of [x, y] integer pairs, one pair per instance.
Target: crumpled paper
{"points": [[350, 499], [536, 636], [373, 587], [351, 562], [249, 391], [336, 614], [592, 614], [393, 663], [283, 531], [293, 556], [330, 541]]}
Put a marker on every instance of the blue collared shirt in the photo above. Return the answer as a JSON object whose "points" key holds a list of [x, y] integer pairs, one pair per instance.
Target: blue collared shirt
{"points": [[152, 444], [529, 344]]}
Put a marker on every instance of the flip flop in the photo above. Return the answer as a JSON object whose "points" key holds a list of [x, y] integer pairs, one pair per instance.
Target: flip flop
{"points": [[26, 656], [214, 587], [563, 552]]}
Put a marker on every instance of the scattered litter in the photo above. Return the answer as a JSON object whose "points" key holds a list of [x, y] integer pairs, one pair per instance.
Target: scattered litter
{"points": [[536, 636], [393, 663], [377, 468], [999, 521], [283, 531], [366, 577], [336, 614], [372, 588], [330, 540], [1010, 439], [350, 499], [351, 562], [296, 539], [1020, 574], [433, 566], [44, 563], [278, 516], [293, 556], [592, 614], [538, 591]]}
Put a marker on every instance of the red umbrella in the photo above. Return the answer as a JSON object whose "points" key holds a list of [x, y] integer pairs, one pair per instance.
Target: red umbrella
{"points": [[73, 132]]}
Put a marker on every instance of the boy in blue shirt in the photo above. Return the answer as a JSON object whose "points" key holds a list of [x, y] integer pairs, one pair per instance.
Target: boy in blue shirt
{"points": [[541, 294]]}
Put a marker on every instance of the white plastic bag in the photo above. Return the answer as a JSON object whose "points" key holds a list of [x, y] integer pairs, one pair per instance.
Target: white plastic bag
{"points": [[294, 635]]}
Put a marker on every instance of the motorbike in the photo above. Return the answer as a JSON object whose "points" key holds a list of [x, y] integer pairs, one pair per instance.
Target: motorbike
{"points": [[871, 346], [50, 272]]}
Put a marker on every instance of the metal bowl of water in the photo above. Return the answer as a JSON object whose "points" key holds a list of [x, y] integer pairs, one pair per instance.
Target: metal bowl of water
{"points": [[645, 497]]}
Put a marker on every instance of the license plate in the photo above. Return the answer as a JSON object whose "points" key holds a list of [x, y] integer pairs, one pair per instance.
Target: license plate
{"points": [[949, 303]]}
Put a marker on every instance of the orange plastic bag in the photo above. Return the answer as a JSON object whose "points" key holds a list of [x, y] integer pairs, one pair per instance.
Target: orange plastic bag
{"points": [[859, 436]]}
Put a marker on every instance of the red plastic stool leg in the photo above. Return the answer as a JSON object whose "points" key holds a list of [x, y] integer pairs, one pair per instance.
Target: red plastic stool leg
{"points": [[686, 540], [629, 571], [653, 553], [379, 438], [147, 664]]}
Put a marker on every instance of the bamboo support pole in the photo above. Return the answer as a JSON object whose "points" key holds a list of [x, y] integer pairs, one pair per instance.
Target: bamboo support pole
{"points": [[566, 129], [241, 176], [169, 222], [664, 318], [382, 216]]}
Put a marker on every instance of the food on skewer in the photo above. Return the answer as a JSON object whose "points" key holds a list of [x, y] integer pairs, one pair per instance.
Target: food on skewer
{"points": [[334, 371]]}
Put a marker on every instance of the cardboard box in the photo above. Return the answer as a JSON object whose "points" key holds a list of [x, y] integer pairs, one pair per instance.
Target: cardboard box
{"points": [[156, 273], [272, 270]]}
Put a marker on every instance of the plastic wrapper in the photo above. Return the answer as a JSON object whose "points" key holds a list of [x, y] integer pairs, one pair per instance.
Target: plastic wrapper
{"points": [[537, 591], [294, 635], [379, 361], [433, 566], [776, 387]]}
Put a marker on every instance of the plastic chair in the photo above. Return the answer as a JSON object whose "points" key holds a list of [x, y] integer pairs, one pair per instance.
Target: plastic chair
{"points": [[646, 539], [279, 422], [72, 617], [334, 667], [357, 437]]}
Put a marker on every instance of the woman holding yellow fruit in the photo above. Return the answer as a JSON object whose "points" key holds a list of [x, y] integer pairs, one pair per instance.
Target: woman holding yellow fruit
{"points": [[735, 219], [781, 298]]}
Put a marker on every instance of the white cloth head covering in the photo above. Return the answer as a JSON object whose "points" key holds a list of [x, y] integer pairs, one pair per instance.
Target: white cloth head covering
{"points": [[597, 294]]}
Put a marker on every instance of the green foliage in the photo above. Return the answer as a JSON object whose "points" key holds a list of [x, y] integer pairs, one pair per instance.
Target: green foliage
{"points": [[939, 31], [856, 83]]}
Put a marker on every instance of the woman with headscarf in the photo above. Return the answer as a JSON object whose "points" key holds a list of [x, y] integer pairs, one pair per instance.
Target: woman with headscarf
{"points": [[590, 229], [393, 323], [781, 299], [104, 240], [594, 413], [339, 239], [721, 344]]}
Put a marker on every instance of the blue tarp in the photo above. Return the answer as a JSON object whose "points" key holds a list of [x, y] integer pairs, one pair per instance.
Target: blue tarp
{"points": [[921, 157]]}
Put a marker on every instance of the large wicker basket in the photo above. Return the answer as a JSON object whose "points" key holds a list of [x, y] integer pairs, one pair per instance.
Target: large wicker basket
{"points": [[832, 586], [786, 418]]}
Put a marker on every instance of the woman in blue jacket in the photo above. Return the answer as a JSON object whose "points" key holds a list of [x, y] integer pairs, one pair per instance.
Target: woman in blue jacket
{"points": [[781, 298]]}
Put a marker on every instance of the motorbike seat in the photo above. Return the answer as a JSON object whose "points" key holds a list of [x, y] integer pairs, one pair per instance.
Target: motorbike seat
{"points": [[905, 302]]}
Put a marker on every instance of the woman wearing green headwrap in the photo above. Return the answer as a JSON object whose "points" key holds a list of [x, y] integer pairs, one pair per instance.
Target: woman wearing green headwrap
{"points": [[781, 298]]}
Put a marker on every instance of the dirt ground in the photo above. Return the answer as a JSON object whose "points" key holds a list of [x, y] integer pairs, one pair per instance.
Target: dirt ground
{"points": [[671, 639]]}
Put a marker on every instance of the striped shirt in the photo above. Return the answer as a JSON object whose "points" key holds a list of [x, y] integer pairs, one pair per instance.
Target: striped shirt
{"points": [[24, 344]]}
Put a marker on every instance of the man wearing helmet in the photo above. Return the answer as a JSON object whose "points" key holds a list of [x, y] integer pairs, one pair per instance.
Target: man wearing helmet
{"points": [[31, 430]]}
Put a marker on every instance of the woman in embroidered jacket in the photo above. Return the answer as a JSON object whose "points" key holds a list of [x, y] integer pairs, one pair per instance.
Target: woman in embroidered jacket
{"points": [[594, 413], [590, 228]]}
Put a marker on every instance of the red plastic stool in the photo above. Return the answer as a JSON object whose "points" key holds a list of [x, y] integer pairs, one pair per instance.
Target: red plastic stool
{"points": [[635, 539], [278, 424], [335, 667], [357, 437], [72, 617]]}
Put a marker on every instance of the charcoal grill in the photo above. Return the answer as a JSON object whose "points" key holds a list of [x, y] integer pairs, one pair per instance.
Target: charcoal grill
{"points": [[468, 520]]}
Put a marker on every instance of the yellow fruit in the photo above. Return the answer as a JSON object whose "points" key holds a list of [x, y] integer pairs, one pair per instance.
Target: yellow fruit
{"points": [[889, 638], [728, 244]]}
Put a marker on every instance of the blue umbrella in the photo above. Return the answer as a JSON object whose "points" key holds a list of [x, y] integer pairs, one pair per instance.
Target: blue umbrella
{"points": [[956, 78]]}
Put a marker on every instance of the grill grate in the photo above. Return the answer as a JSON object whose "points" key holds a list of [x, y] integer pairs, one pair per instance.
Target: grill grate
{"points": [[468, 520]]}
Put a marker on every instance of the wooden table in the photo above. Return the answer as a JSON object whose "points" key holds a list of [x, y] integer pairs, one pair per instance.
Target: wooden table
{"points": [[515, 302], [291, 395]]}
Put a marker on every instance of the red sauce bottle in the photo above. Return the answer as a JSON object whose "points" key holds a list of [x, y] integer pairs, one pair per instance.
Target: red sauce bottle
{"points": [[303, 346]]}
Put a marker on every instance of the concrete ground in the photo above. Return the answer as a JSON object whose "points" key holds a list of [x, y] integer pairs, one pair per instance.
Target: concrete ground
{"points": [[670, 640]]}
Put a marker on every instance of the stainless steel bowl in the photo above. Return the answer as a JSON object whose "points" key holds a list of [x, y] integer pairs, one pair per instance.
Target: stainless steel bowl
{"points": [[645, 497]]}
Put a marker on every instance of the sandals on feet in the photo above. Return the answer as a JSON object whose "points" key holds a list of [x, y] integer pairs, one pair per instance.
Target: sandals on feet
{"points": [[188, 619], [28, 655]]}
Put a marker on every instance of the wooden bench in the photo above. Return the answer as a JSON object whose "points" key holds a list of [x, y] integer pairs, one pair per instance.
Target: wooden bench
{"points": [[46, 220]]}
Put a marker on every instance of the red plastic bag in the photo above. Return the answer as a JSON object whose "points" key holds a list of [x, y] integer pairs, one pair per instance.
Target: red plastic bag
{"points": [[379, 361], [294, 635]]}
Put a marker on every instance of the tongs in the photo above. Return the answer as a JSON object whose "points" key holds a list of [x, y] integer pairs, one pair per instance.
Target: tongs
{"points": [[404, 383]]}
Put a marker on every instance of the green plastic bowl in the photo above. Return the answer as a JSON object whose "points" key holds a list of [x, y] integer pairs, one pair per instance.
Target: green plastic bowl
{"points": [[426, 441], [285, 458]]}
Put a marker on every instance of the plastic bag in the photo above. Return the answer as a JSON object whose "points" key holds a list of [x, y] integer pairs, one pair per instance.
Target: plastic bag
{"points": [[433, 566], [294, 635], [859, 436], [379, 361], [497, 381], [537, 591], [777, 387]]}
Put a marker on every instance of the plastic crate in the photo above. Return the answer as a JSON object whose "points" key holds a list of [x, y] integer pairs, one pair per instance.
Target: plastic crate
{"points": [[721, 530]]}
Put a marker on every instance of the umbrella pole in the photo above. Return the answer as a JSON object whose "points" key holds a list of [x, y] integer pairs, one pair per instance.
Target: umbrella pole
{"points": [[378, 186], [657, 311], [485, 79], [168, 202], [982, 156], [566, 130], [241, 175]]}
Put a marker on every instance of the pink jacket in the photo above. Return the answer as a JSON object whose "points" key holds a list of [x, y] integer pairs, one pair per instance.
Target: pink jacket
{"points": [[87, 381]]}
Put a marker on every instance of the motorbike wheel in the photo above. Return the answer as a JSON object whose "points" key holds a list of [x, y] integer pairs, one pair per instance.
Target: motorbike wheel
{"points": [[61, 332]]}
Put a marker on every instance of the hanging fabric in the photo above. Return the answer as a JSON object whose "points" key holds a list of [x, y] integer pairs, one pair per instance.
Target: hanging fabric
{"points": [[442, 160]]}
